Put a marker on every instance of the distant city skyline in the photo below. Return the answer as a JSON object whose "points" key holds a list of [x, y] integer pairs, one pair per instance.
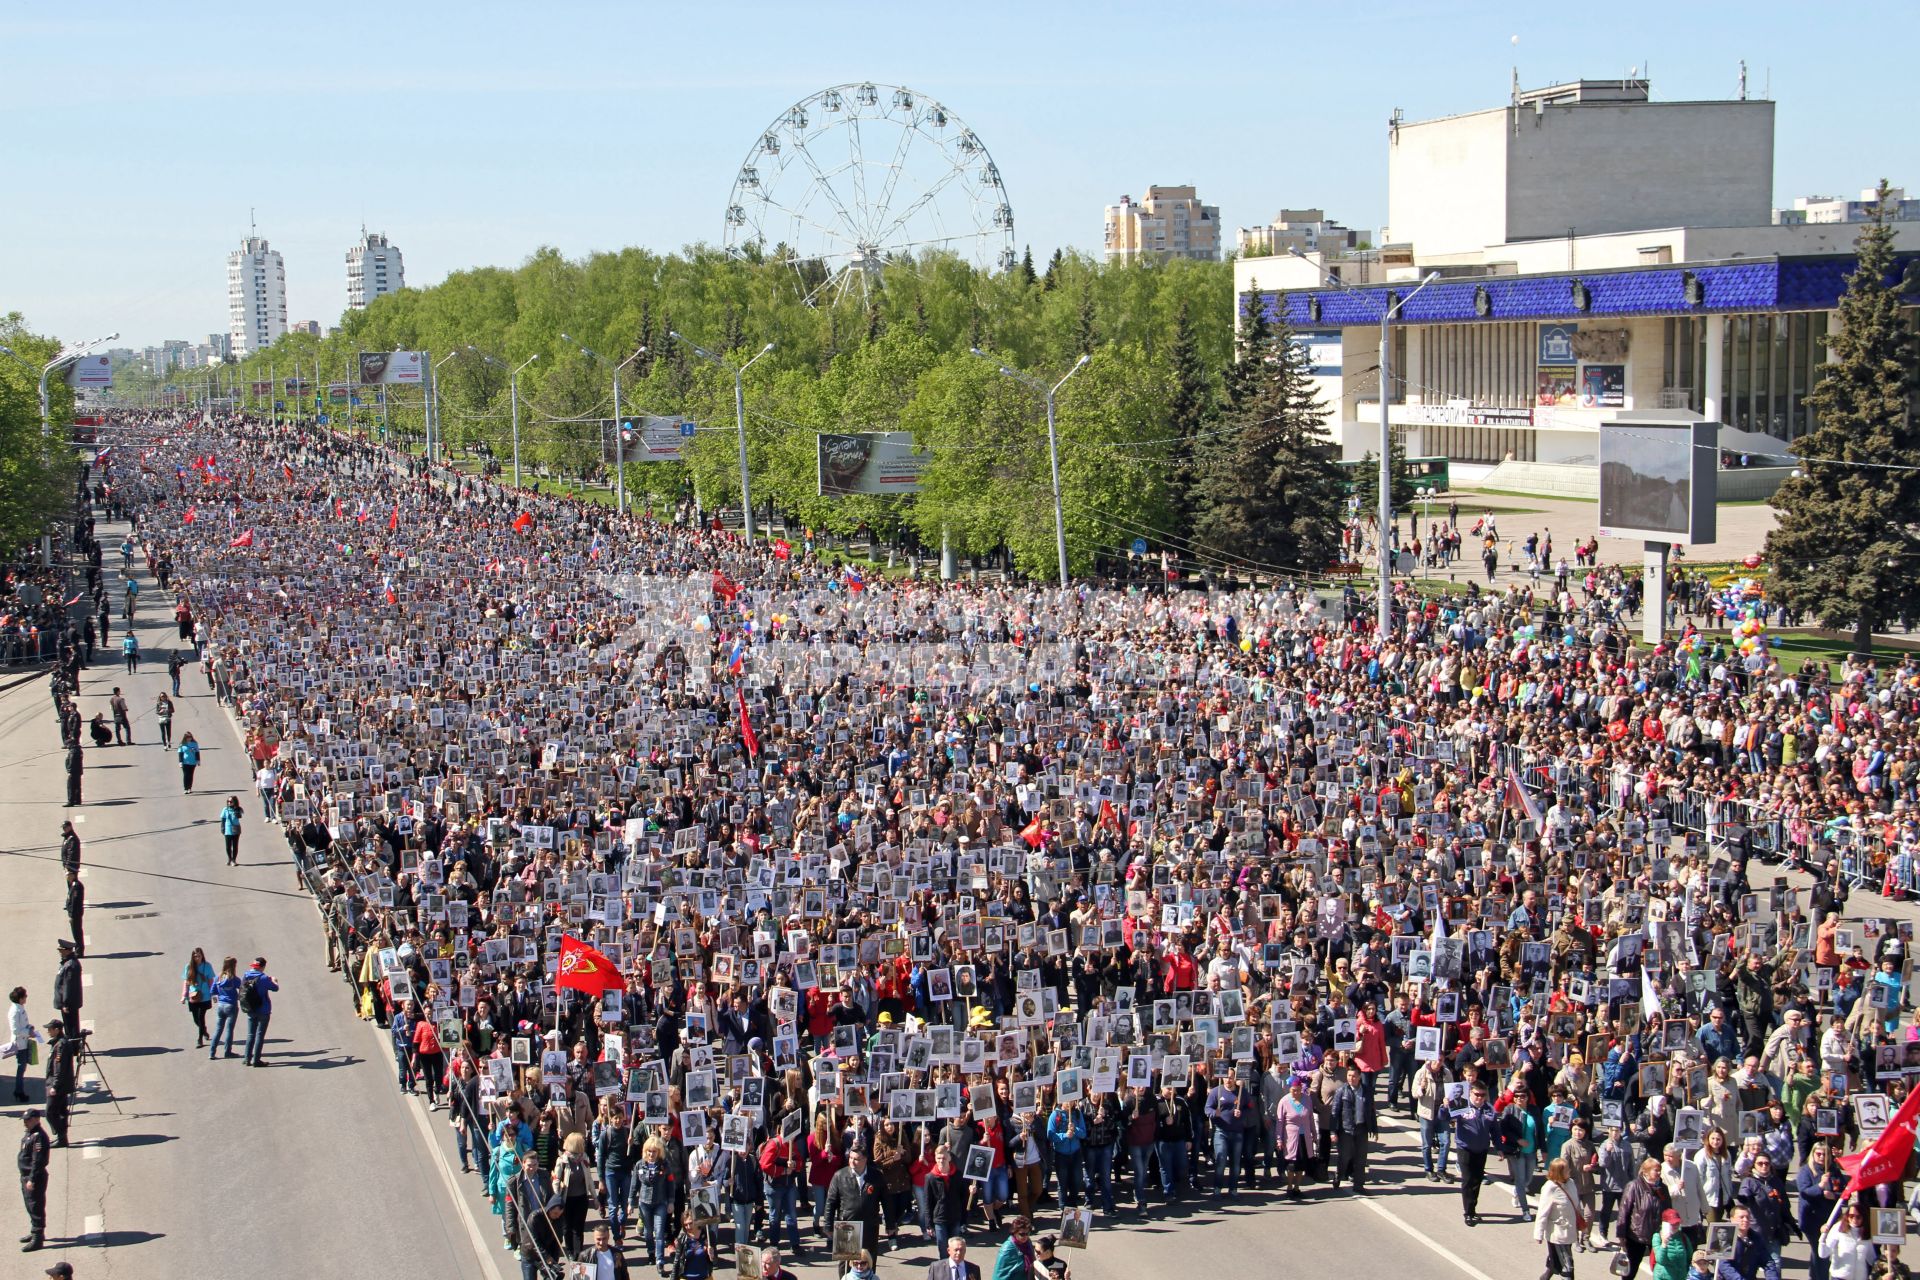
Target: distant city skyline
{"points": [[605, 126]]}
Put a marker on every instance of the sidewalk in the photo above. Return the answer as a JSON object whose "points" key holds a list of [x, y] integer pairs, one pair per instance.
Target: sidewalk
{"points": [[205, 1168]]}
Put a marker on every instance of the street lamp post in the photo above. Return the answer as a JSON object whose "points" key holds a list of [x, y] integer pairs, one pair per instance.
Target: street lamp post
{"points": [[433, 408], [1387, 314], [739, 422], [1425, 494], [1053, 443], [513, 384], [619, 445]]}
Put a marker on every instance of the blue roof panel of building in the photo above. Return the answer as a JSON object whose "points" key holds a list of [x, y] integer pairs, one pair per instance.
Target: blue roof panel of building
{"points": [[1762, 284]]}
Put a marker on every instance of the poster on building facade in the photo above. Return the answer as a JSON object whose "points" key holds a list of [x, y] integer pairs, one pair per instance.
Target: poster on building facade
{"points": [[1603, 386]]}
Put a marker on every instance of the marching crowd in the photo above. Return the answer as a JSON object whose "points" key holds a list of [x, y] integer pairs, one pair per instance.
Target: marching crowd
{"points": [[708, 886]]}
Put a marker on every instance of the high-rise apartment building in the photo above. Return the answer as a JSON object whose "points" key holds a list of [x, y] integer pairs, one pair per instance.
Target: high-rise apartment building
{"points": [[1821, 210], [373, 268], [1169, 223], [256, 296]]}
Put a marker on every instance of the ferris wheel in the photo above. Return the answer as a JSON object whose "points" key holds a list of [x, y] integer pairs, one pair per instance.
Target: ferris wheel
{"points": [[857, 175]]}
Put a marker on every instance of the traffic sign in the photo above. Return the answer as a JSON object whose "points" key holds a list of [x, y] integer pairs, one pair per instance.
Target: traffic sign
{"points": [[686, 429], [1139, 546]]}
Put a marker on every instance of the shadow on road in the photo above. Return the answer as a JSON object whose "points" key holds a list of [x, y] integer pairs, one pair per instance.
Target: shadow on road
{"points": [[123, 955]]}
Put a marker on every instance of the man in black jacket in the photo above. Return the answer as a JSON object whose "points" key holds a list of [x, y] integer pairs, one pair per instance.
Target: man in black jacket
{"points": [[63, 1071], [946, 1200], [69, 847], [854, 1196], [33, 1180]]}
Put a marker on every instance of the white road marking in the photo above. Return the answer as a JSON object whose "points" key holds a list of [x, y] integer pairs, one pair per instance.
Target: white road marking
{"points": [[96, 1228], [1428, 1241], [86, 1024], [94, 1151], [86, 979], [79, 817]]}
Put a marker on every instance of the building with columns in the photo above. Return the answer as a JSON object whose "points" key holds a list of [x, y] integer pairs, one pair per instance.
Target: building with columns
{"points": [[1588, 252]]}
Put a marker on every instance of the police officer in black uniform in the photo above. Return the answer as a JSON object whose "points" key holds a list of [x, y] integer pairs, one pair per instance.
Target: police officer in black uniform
{"points": [[69, 847], [67, 995], [76, 908], [63, 1072], [76, 765], [33, 1181]]}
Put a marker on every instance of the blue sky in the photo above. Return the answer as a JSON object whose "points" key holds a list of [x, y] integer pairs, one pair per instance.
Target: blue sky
{"points": [[472, 134]]}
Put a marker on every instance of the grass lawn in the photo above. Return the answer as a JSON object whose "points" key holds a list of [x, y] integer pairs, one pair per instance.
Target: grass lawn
{"points": [[1514, 493]]}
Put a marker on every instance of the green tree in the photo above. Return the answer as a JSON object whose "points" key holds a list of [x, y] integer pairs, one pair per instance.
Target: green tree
{"points": [[1847, 545], [1190, 411], [1267, 492], [36, 468], [1366, 480]]}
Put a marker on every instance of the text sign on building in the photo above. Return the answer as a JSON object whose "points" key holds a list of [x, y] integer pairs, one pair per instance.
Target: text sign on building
{"points": [[1323, 351], [392, 366]]}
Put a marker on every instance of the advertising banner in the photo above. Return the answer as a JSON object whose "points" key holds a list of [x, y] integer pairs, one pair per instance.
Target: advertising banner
{"points": [[1603, 386], [90, 371], [263, 388], [1556, 387], [392, 366], [644, 438], [1323, 351], [869, 462]]}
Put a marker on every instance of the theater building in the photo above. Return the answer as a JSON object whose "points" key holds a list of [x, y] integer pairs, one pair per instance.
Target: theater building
{"points": [[1587, 252]]}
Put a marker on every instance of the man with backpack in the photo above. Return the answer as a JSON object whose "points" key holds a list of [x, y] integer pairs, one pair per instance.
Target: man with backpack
{"points": [[256, 1001]]}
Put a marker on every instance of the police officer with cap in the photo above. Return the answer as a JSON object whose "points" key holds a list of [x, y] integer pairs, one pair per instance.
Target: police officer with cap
{"points": [[67, 995], [63, 1070], [33, 1180]]}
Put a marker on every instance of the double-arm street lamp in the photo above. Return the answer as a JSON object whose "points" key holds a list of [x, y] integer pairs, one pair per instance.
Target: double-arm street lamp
{"points": [[1388, 313], [619, 444], [1053, 442], [739, 421]]}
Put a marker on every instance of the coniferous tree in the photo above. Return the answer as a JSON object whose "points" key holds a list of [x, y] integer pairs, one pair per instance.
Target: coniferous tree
{"points": [[1267, 488], [1366, 480], [733, 331], [1086, 333], [1026, 267], [1847, 547], [1048, 281]]}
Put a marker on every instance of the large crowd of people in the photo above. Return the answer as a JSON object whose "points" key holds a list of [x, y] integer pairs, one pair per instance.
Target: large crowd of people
{"points": [[941, 908]]}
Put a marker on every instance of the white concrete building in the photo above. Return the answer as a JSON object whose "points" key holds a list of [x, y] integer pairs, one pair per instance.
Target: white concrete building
{"points": [[1308, 230], [1823, 209], [374, 268], [256, 296], [1596, 253]]}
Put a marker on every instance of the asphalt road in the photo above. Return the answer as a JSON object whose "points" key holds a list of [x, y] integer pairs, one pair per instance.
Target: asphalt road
{"points": [[314, 1165]]}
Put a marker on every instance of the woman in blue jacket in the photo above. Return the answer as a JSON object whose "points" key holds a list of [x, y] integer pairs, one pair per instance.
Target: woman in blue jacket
{"points": [[196, 992], [189, 754], [226, 1007]]}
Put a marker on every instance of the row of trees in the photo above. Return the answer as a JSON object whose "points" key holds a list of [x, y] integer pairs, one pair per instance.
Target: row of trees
{"points": [[36, 467], [1165, 435]]}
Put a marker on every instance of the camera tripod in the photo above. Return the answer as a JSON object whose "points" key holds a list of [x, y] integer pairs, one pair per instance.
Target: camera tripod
{"points": [[87, 1055]]}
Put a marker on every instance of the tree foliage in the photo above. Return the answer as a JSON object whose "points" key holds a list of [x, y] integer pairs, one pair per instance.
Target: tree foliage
{"points": [[896, 360], [1266, 482], [36, 468], [1847, 546]]}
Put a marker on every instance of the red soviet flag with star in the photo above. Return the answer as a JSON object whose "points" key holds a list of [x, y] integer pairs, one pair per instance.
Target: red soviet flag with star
{"points": [[1886, 1158], [584, 969]]}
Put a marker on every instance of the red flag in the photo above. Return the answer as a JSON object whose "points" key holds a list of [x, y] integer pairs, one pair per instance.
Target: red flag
{"points": [[523, 522], [584, 969], [1886, 1158], [747, 734], [188, 518], [393, 521], [391, 597], [1034, 834], [782, 549], [724, 587], [244, 540], [288, 471]]}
